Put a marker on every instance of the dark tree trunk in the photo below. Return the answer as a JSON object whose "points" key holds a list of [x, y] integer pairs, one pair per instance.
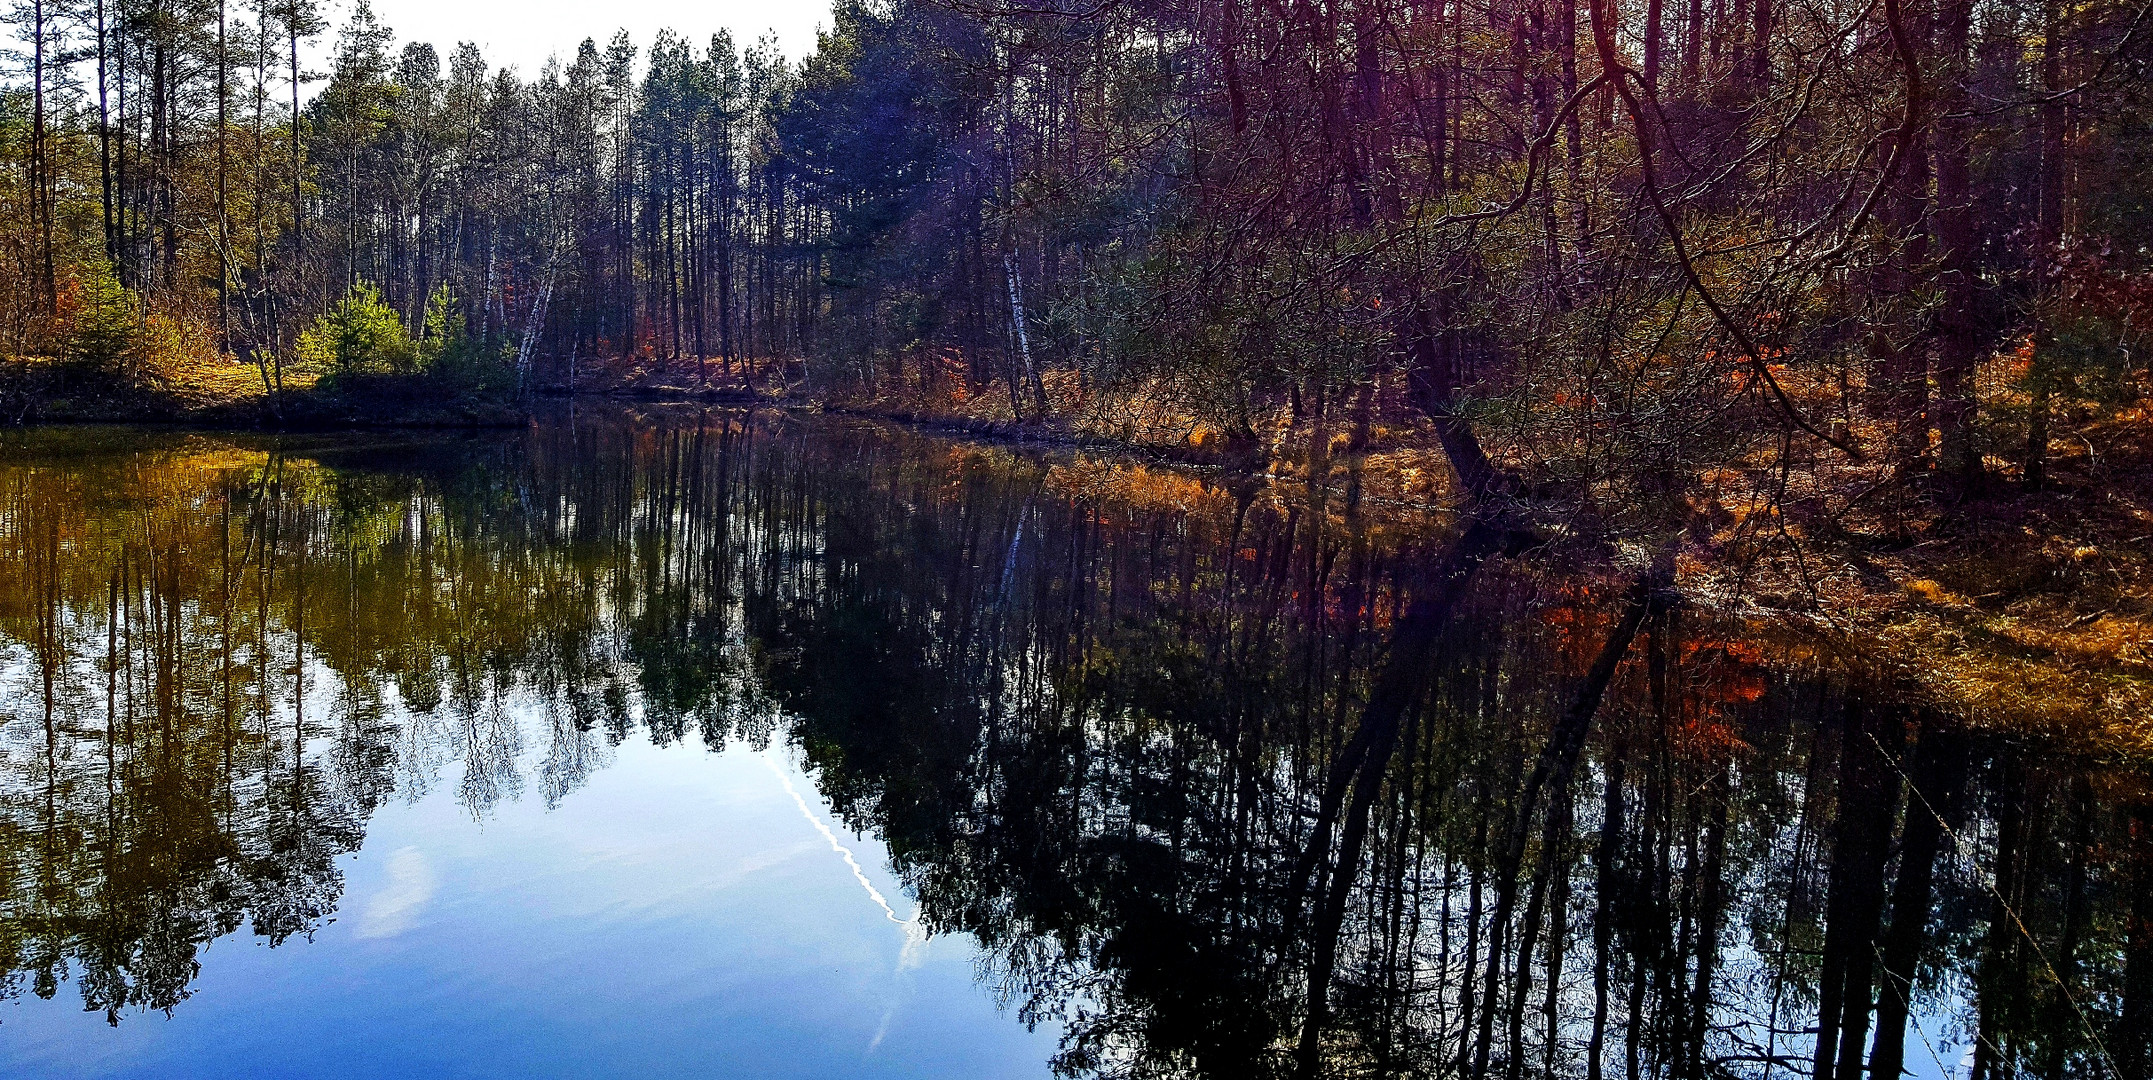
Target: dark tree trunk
{"points": [[1957, 320]]}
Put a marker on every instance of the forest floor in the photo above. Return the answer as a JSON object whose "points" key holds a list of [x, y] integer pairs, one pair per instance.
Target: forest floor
{"points": [[2029, 609]]}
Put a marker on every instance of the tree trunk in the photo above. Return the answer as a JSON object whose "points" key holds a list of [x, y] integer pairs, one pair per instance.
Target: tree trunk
{"points": [[41, 180], [2048, 230], [1024, 343], [1435, 379], [1957, 321]]}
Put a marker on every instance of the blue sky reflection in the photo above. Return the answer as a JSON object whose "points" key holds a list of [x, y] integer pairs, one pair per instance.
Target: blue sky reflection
{"points": [[684, 913]]}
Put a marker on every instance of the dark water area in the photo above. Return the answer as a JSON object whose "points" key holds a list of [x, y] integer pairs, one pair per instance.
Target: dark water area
{"points": [[716, 743]]}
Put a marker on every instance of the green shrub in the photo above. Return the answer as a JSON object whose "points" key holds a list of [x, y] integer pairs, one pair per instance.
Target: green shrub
{"points": [[108, 325], [359, 335], [448, 350], [443, 346]]}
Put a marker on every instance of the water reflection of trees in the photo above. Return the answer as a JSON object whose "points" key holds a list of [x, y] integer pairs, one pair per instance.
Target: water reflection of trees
{"points": [[1230, 779]]}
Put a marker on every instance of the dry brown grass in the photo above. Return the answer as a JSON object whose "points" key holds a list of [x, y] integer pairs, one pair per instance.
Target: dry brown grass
{"points": [[2026, 611]]}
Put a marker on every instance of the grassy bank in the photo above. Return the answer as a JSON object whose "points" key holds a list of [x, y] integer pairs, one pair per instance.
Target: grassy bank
{"points": [[36, 390]]}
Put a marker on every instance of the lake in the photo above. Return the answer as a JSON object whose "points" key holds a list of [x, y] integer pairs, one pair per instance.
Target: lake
{"points": [[710, 742]]}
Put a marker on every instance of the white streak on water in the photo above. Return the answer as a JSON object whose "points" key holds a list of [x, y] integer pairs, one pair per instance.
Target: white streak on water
{"points": [[915, 934], [914, 950]]}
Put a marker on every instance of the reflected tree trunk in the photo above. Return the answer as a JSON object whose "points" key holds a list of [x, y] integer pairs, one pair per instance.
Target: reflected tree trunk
{"points": [[1607, 889], [2136, 1059], [1868, 802], [1363, 762], [1938, 775], [1551, 776]]}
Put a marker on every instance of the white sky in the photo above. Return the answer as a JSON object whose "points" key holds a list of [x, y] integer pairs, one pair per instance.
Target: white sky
{"points": [[523, 33]]}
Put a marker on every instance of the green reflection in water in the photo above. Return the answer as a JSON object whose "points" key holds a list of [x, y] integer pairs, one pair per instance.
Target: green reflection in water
{"points": [[1235, 780]]}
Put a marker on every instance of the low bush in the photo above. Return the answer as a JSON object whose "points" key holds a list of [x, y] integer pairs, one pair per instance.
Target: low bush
{"points": [[359, 335]]}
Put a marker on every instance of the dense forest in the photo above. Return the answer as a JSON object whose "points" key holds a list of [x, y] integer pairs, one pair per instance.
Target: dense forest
{"points": [[1571, 243]]}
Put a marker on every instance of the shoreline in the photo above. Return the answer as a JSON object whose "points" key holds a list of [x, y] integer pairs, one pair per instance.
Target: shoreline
{"points": [[2053, 661]]}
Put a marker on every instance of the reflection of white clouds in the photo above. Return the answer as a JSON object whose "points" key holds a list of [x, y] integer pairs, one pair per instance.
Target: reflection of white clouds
{"points": [[764, 860], [915, 951], [396, 907]]}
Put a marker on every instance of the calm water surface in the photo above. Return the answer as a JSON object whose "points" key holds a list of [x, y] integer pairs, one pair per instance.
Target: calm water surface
{"points": [[709, 743]]}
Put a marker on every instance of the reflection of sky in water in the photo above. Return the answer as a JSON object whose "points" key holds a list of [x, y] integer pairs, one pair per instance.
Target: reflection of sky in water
{"points": [[681, 913]]}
